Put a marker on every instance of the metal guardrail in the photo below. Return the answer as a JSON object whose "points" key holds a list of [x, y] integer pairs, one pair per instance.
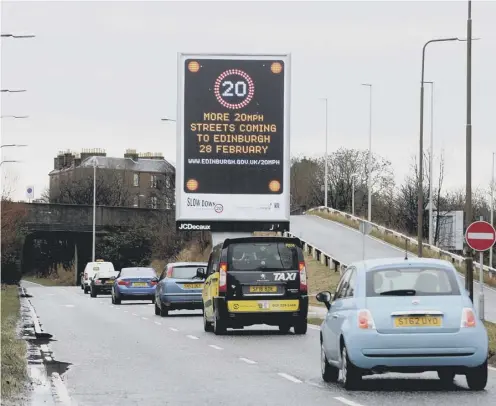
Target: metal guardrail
{"points": [[454, 258]]}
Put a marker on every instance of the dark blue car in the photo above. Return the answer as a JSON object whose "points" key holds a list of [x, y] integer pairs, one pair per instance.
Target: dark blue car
{"points": [[179, 287], [134, 284]]}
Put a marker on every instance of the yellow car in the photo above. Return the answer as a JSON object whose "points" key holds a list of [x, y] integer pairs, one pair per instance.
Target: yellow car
{"points": [[255, 280]]}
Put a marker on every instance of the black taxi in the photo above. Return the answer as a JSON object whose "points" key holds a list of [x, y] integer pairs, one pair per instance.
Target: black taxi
{"points": [[256, 280]]}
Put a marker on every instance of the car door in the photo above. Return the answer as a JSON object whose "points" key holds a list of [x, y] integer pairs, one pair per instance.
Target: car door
{"points": [[331, 332], [209, 292], [161, 281]]}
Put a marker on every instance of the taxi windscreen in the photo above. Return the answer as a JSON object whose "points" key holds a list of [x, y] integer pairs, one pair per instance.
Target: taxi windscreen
{"points": [[262, 256]]}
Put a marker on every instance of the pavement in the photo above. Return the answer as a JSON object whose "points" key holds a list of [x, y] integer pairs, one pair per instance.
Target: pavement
{"points": [[125, 355], [346, 244]]}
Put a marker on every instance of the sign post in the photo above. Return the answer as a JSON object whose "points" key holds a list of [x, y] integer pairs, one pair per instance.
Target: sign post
{"points": [[233, 155], [480, 236], [365, 228]]}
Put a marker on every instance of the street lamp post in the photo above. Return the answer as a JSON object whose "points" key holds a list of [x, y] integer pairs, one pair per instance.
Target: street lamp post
{"points": [[431, 165], [94, 212], [10, 116], [168, 119], [12, 90], [492, 208], [369, 164], [8, 161], [420, 224], [18, 36], [326, 157], [353, 194], [13, 145]]}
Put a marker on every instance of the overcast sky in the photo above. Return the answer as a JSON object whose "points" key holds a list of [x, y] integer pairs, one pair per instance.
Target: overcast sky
{"points": [[102, 74]]}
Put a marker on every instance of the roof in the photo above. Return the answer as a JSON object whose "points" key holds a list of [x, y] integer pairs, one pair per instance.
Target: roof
{"points": [[411, 261], [142, 165]]}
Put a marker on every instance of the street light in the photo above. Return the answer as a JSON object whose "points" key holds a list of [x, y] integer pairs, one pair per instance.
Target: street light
{"points": [[12, 91], [9, 161], [168, 119], [10, 116], [420, 224], [326, 164], [18, 36], [431, 164], [369, 164], [353, 194]]}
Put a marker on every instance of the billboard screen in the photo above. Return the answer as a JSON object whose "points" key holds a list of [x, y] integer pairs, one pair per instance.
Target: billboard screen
{"points": [[233, 142]]}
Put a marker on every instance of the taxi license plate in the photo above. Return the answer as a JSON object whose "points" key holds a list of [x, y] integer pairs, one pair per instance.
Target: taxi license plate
{"points": [[418, 321], [109, 282], [140, 284], [263, 289], [193, 285]]}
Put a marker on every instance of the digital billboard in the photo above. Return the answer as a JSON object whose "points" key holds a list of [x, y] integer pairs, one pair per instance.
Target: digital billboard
{"points": [[233, 158]]}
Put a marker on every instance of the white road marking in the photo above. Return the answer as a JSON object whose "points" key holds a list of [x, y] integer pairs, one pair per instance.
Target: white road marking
{"points": [[248, 361], [314, 384], [111, 306], [312, 327], [69, 305], [173, 329], [157, 323], [59, 390], [216, 347], [347, 402], [125, 311], [134, 314], [289, 377], [144, 318], [192, 337], [102, 302]]}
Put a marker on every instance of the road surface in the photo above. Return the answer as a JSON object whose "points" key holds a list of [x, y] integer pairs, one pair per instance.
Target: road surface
{"points": [[125, 355], [346, 244]]}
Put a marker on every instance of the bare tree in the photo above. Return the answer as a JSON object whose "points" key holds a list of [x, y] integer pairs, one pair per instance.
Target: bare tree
{"points": [[110, 191]]}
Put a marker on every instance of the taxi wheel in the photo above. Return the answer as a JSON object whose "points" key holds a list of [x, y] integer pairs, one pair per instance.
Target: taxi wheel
{"points": [[350, 375], [329, 372], [301, 326], [92, 292], [207, 326], [219, 326], [284, 328], [477, 377], [446, 377]]}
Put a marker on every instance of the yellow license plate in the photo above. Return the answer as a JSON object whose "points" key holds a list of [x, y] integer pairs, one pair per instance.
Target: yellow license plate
{"points": [[193, 285], [140, 285], [263, 289], [261, 306], [109, 282], [418, 321]]}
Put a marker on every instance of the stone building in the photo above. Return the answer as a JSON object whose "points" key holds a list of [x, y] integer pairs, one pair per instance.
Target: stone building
{"points": [[143, 180]]}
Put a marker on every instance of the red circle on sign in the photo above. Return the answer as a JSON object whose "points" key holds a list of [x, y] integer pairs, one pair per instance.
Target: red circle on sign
{"points": [[480, 235]]}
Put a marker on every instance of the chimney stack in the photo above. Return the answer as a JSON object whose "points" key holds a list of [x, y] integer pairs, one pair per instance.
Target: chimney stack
{"points": [[132, 154]]}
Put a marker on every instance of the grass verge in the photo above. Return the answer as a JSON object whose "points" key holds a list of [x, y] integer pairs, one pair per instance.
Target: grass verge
{"points": [[320, 278], [14, 373], [60, 278], [395, 241], [491, 332]]}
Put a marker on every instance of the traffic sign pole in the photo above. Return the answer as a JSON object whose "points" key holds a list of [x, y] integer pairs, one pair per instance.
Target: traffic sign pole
{"points": [[481, 282], [480, 236]]}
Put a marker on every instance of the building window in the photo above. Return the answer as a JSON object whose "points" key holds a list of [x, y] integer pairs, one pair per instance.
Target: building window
{"points": [[136, 179], [153, 181], [167, 182], [136, 201], [167, 204], [154, 202]]}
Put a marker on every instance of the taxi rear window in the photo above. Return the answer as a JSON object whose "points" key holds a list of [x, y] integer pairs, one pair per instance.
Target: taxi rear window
{"points": [[263, 256]]}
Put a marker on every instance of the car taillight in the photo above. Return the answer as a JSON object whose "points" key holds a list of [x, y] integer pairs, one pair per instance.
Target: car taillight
{"points": [[468, 318], [303, 277], [222, 277], [123, 283], [365, 320], [153, 283], [169, 272], [98, 282]]}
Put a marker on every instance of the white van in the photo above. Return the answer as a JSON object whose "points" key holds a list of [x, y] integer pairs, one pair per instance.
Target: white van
{"points": [[91, 268]]}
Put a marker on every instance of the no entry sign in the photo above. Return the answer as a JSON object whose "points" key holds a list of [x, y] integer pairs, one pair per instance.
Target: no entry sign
{"points": [[480, 236]]}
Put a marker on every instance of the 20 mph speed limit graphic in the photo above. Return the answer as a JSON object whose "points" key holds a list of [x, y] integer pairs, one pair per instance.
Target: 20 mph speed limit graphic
{"points": [[233, 138]]}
